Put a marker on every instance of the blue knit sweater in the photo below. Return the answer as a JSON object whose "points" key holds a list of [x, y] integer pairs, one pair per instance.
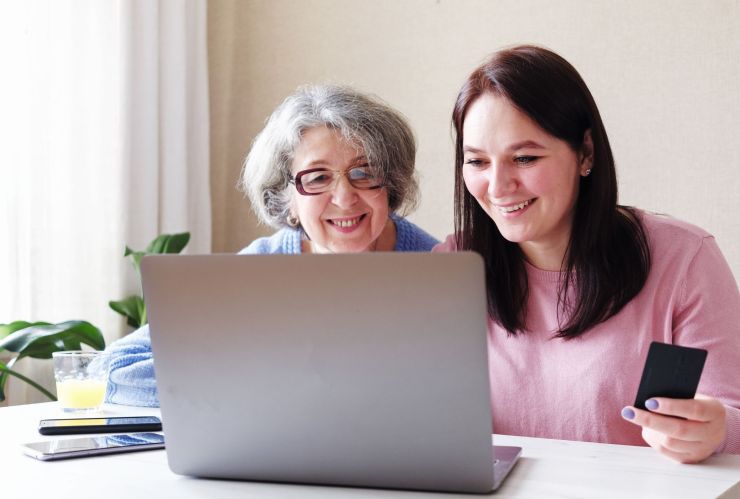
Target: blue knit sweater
{"points": [[132, 379]]}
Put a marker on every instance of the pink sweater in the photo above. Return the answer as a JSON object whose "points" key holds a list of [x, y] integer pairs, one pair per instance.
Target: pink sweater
{"points": [[575, 390]]}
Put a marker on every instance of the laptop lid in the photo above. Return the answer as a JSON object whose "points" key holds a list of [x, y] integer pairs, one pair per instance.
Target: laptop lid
{"points": [[356, 369]]}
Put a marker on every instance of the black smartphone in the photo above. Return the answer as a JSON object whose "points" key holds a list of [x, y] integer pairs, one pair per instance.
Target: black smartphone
{"points": [[93, 446], [670, 371], [99, 425]]}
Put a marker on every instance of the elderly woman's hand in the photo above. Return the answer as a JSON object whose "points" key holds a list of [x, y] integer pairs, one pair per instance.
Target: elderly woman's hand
{"points": [[688, 440]]}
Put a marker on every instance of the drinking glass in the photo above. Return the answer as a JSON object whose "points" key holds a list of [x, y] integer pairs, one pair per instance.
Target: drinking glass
{"points": [[82, 378]]}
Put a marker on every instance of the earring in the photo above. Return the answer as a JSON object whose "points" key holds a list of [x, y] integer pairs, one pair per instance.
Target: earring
{"points": [[292, 221], [587, 172]]}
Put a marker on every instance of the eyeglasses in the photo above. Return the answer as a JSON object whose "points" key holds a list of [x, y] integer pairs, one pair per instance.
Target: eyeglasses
{"points": [[319, 180]]}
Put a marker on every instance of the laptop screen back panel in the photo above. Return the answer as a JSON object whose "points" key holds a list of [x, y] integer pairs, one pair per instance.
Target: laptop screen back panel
{"points": [[365, 370]]}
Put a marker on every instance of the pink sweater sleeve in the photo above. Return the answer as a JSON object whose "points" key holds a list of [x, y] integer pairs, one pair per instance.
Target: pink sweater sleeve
{"points": [[707, 316], [446, 246], [730, 444]]}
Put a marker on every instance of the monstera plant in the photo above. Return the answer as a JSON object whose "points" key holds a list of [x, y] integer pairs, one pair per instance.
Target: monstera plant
{"points": [[132, 307], [39, 340]]}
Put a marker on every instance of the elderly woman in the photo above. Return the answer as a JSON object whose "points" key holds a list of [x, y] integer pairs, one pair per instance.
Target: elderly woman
{"points": [[331, 170]]}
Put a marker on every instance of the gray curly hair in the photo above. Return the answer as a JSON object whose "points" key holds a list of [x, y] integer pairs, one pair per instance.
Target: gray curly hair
{"points": [[383, 133]]}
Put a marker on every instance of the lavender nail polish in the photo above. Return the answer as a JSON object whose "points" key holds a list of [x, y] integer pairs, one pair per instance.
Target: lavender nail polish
{"points": [[628, 413], [651, 404]]}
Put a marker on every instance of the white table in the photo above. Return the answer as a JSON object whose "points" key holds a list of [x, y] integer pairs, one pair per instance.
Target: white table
{"points": [[548, 468]]}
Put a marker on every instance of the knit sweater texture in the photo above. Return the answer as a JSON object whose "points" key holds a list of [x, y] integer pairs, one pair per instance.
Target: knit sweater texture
{"points": [[409, 237]]}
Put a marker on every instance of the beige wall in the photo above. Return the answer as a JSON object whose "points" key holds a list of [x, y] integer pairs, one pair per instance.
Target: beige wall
{"points": [[665, 73]]}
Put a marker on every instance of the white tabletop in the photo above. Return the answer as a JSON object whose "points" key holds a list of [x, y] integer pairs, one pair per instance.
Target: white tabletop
{"points": [[548, 468]]}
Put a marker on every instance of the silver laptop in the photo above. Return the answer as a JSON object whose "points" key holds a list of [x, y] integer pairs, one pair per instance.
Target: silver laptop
{"points": [[362, 370]]}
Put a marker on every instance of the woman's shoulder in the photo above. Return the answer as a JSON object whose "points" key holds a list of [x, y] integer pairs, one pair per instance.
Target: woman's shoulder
{"points": [[447, 246], [410, 237], [671, 238], [283, 241], [677, 247], [665, 226]]}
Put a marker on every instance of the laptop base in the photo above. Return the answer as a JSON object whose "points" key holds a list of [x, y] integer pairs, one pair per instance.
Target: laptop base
{"points": [[505, 459]]}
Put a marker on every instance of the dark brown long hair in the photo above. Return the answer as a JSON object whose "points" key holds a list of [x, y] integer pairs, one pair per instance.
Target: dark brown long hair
{"points": [[608, 259]]}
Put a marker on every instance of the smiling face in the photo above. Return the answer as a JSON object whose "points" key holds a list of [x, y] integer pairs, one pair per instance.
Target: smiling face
{"points": [[343, 219], [525, 179]]}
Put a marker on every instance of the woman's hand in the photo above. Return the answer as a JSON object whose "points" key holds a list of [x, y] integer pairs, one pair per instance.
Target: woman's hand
{"points": [[688, 440]]}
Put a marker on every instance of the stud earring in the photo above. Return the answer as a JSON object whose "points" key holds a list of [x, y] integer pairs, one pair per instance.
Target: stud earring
{"points": [[587, 172], [293, 221]]}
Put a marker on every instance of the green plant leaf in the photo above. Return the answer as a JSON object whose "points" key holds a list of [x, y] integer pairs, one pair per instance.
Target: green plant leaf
{"points": [[6, 371], [7, 329], [40, 341], [169, 243], [132, 308], [135, 259], [3, 376]]}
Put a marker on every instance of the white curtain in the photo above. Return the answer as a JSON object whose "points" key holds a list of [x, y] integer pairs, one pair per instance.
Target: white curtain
{"points": [[104, 143]]}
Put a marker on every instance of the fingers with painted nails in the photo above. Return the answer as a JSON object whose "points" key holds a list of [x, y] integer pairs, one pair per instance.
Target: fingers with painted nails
{"points": [[685, 430]]}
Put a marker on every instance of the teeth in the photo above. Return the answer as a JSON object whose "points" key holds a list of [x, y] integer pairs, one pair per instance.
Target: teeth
{"points": [[347, 223], [509, 209]]}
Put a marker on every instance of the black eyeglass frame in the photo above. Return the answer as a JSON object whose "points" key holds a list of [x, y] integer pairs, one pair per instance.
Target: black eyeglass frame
{"points": [[296, 180]]}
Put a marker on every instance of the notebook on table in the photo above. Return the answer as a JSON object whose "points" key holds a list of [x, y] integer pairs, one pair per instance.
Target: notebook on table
{"points": [[362, 370]]}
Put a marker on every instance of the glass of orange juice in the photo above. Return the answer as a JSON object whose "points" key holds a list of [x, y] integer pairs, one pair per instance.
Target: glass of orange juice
{"points": [[82, 377]]}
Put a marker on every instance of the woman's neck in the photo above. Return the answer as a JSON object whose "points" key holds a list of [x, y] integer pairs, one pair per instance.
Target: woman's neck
{"points": [[545, 256], [387, 239]]}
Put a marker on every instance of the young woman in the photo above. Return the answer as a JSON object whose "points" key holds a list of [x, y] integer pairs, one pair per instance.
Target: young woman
{"points": [[332, 170], [579, 286]]}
